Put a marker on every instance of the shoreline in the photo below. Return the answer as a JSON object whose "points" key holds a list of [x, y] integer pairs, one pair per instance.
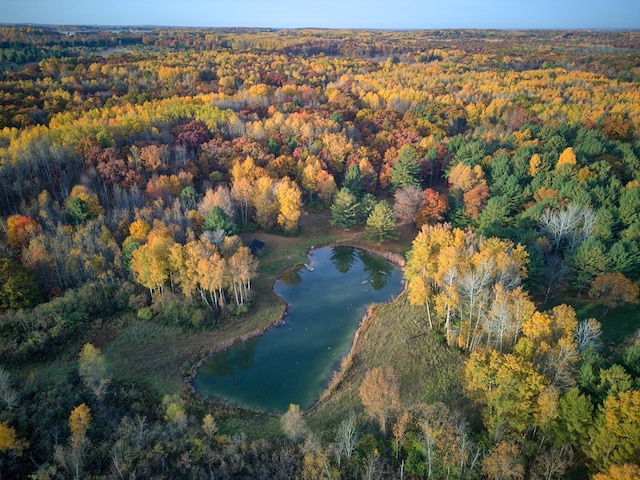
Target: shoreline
{"points": [[344, 364]]}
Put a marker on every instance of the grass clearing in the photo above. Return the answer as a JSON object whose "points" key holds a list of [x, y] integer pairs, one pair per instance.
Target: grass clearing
{"points": [[145, 353], [618, 324], [396, 336]]}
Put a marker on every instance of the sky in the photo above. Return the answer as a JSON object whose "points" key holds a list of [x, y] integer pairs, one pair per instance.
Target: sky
{"points": [[385, 14]]}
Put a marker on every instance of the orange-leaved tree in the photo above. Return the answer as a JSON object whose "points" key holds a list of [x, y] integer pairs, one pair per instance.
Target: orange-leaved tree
{"points": [[380, 394]]}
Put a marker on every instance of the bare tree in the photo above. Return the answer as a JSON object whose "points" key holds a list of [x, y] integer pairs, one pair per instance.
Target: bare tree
{"points": [[569, 227], [555, 275], [588, 334], [407, 201], [474, 290], [551, 463], [371, 468], [346, 438], [8, 395]]}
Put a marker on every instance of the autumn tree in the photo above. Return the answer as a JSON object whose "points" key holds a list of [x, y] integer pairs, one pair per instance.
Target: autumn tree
{"points": [[73, 457], [535, 164], [309, 176], [183, 263], [612, 289], [380, 394], [192, 135], [150, 262], [211, 270], [20, 230], [242, 193], [220, 197], [154, 157], [9, 441], [508, 386], [567, 157], [406, 202], [326, 186], [555, 351], [242, 269], [293, 423], [432, 208], [503, 462], [209, 426], [475, 200], [92, 369], [626, 471], [289, 199], [265, 202], [138, 230], [463, 178], [615, 438]]}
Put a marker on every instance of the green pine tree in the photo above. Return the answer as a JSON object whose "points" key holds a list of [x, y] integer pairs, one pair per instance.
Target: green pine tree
{"points": [[216, 219], [405, 170], [354, 181], [381, 224], [344, 210]]}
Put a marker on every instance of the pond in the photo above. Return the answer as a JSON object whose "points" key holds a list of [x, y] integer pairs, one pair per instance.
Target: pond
{"points": [[293, 362]]}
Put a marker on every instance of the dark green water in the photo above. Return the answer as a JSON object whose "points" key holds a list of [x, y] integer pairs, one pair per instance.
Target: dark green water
{"points": [[293, 362]]}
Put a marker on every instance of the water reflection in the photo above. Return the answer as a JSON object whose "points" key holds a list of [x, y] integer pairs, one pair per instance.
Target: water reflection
{"points": [[343, 258], [291, 277], [378, 270]]}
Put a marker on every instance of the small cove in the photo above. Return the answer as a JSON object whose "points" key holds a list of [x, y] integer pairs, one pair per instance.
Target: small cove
{"points": [[293, 362]]}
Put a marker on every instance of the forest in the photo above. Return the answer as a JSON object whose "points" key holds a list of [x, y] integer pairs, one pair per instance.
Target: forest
{"points": [[500, 168]]}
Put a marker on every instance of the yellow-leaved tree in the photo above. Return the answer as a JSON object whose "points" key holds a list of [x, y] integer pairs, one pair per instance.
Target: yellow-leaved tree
{"points": [[534, 164], [289, 204], [265, 202], [9, 441], [150, 262], [567, 157], [92, 369]]}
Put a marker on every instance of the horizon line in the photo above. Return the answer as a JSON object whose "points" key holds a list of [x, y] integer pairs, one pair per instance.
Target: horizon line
{"points": [[388, 29]]}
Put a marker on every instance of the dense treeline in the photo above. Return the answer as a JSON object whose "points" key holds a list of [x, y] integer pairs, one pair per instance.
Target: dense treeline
{"points": [[131, 159]]}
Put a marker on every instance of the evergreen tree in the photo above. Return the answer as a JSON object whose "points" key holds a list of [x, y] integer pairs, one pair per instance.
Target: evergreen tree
{"points": [[381, 224], [189, 197], [405, 171], [216, 219], [344, 210], [354, 181], [367, 203]]}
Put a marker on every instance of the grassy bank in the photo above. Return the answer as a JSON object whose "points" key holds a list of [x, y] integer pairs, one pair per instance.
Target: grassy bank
{"points": [[396, 335]]}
